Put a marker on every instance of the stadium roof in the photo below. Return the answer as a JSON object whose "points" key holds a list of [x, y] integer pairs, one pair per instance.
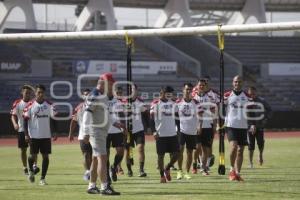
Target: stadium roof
{"points": [[232, 5]]}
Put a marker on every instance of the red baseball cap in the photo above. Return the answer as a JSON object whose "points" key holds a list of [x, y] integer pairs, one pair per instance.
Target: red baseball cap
{"points": [[107, 77]]}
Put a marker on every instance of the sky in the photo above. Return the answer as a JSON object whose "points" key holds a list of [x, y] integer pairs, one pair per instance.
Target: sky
{"points": [[125, 16]]}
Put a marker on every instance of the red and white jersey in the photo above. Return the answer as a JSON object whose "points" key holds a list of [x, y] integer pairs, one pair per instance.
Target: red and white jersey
{"points": [[214, 96], [17, 110], [207, 108], [78, 116], [164, 117], [38, 116], [138, 106], [188, 113], [115, 106], [236, 116]]}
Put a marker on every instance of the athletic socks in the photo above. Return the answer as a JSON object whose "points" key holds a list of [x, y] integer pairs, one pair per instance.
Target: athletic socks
{"points": [[128, 163], [91, 185], [103, 186], [117, 161], [168, 166], [45, 165], [194, 165], [142, 166], [30, 163], [162, 174]]}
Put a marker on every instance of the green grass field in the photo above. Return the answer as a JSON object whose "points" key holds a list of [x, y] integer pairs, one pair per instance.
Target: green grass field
{"points": [[279, 178]]}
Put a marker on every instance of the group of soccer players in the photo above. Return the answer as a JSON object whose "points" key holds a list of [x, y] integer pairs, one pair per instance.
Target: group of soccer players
{"points": [[189, 122]]}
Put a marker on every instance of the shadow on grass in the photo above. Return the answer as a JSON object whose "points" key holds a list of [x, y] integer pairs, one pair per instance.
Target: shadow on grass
{"points": [[12, 180]]}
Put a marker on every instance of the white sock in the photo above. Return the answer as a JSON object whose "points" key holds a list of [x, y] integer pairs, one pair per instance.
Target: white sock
{"points": [[87, 171], [103, 186], [92, 185]]}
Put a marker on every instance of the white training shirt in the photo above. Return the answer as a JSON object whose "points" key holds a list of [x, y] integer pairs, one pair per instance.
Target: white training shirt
{"points": [[138, 106], [78, 116], [17, 110], [164, 117], [38, 116], [188, 115], [99, 123], [214, 96], [236, 116], [115, 106], [207, 108]]}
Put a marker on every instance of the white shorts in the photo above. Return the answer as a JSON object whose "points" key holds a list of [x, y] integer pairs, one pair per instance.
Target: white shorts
{"points": [[98, 144]]}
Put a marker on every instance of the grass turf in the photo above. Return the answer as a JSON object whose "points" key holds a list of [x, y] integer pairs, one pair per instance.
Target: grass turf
{"points": [[279, 178]]}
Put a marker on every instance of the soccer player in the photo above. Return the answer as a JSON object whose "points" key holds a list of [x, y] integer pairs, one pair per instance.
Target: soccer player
{"points": [[205, 137], [96, 122], [18, 124], [258, 133], [214, 99], [119, 96], [37, 116], [162, 122], [187, 121], [116, 134], [140, 120], [237, 102], [86, 148]]}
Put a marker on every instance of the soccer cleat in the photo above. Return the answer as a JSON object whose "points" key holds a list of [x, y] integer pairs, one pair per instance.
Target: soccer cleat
{"points": [[163, 180], [93, 190], [36, 170], [187, 176], [109, 191], [239, 178], [179, 175], [26, 172], [120, 171], [86, 176], [173, 168], [31, 177], [113, 174], [194, 171], [167, 175], [232, 176], [205, 173], [43, 182], [130, 174], [143, 174]]}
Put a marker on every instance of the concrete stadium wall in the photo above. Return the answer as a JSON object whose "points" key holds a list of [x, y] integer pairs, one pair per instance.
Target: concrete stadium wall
{"points": [[280, 120]]}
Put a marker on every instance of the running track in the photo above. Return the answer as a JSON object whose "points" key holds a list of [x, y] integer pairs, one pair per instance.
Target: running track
{"points": [[64, 140]]}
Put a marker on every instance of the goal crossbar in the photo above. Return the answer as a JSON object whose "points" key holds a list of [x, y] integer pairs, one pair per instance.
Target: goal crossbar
{"points": [[201, 30]]}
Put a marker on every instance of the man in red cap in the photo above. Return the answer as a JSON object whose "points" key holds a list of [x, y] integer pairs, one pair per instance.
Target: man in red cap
{"points": [[96, 122]]}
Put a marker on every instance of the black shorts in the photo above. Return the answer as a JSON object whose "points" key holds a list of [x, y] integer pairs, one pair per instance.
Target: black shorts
{"points": [[115, 140], [237, 134], [21, 140], [167, 145], [85, 147], [188, 140], [260, 140], [137, 138], [42, 145], [206, 137]]}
